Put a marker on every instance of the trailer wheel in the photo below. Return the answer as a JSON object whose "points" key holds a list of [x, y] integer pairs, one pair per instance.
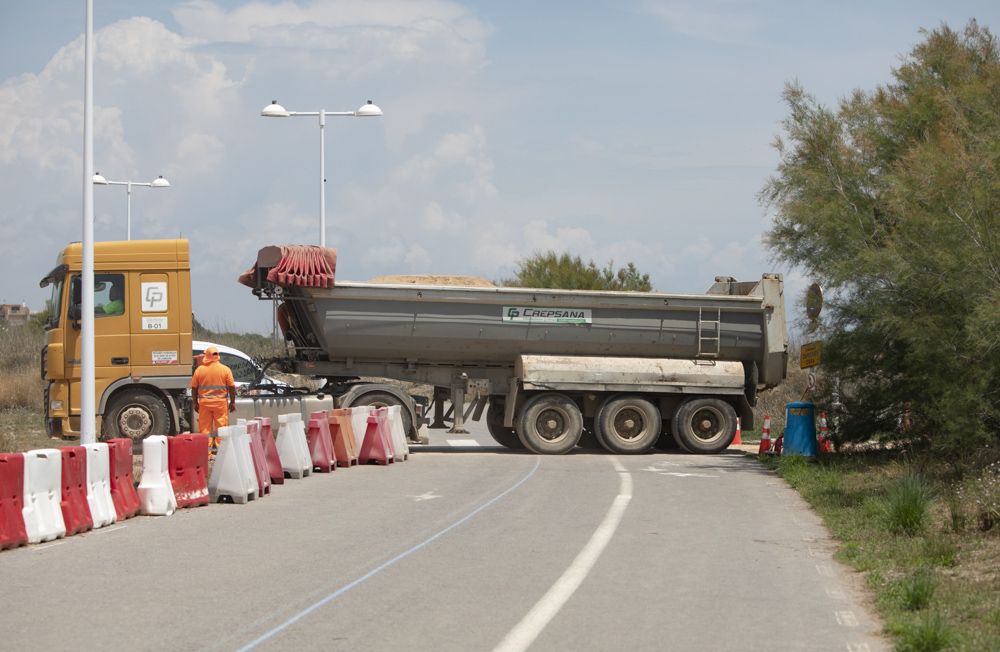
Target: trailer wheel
{"points": [[504, 436], [704, 425], [550, 424], [135, 414], [627, 425], [382, 399]]}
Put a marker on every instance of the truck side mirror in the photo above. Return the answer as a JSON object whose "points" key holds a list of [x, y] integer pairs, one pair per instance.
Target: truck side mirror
{"points": [[73, 312]]}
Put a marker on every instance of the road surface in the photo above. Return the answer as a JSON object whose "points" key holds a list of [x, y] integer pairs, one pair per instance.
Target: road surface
{"points": [[466, 546]]}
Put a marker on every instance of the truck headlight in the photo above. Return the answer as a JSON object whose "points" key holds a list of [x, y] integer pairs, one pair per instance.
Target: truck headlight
{"points": [[56, 405]]}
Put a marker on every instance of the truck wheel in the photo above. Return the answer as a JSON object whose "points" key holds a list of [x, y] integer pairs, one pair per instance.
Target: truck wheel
{"points": [[136, 414], [504, 436], [704, 425], [382, 399], [627, 425], [550, 424]]}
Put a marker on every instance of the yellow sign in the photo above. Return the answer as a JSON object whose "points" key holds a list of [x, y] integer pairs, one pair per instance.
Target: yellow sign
{"points": [[810, 354]]}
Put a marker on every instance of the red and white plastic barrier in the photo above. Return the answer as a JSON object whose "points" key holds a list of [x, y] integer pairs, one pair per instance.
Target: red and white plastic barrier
{"points": [[187, 464], [400, 449], [12, 532], [320, 443], [75, 509], [274, 470], [43, 519], [233, 474], [377, 448], [359, 424], [123, 493], [156, 494], [292, 447], [102, 508], [259, 458]]}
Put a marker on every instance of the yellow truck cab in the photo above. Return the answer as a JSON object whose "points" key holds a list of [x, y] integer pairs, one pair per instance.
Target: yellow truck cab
{"points": [[142, 338]]}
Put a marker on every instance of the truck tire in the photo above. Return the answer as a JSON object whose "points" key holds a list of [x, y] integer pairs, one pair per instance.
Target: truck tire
{"points": [[382, 399], [135, 414], [627, 425], [704, 425], [502, 435], [550, 424]]}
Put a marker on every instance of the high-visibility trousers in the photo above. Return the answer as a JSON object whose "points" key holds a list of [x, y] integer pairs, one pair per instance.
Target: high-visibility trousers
{"points": [[212, 415]]}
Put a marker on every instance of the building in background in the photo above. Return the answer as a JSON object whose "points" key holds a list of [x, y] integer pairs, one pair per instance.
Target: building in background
{"points": [[13, 314]]}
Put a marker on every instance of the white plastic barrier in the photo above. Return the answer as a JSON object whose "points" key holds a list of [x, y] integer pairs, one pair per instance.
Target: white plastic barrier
{"points": [[42, 511], [359, 422], [233, 473], [102, 507], [156, 493], [293, 449], [400, 450]]}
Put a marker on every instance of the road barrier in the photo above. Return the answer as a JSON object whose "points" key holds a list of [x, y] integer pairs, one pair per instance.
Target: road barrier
{"points": [[187, 464], [156, 495], [274, 470], [292, 447], [233, 475], [259, 458], [73, 490], [102, 508], [12, 532], [376, 449], [359, 424], [342, 432], [43, 519], [320, 443], [123, 493], [400, 449]]}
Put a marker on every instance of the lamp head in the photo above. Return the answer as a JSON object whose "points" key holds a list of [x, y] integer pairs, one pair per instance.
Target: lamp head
{"points": [[99, 180], [368, 110], [160, 182], [274, 110]]}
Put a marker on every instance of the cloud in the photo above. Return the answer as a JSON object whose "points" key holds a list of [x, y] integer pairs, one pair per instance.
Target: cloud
{"points": [[464, 155]]}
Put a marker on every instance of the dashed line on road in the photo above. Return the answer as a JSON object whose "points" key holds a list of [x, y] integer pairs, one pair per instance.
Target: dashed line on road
{"points": [[462, 442], [525, 632], [846, 618]]}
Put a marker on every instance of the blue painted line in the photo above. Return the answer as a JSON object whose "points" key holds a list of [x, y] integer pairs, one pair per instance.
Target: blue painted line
{"points": [[375, 571]]}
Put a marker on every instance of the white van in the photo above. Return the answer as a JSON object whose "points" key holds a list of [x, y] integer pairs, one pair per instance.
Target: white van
{"points": [[245, 370]]}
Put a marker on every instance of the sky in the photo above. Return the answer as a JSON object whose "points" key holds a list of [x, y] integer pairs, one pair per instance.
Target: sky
{"points": [[628, 131]]}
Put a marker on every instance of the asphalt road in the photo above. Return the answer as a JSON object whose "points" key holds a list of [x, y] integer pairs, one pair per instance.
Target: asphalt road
{"points": [[466, 546]]}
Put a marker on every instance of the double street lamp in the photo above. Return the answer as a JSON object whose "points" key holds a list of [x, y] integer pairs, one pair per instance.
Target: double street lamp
{"points": [[158, 182], [275, 110]]}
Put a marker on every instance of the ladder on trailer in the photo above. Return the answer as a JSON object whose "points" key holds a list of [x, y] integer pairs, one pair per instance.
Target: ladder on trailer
{"points": [[709, 332]]}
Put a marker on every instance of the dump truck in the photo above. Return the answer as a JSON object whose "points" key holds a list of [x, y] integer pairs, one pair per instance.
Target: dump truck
{"points": [[549, 368]]}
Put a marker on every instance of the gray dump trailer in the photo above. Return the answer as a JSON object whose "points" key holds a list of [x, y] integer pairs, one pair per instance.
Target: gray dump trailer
{"points": [[549, 368]]}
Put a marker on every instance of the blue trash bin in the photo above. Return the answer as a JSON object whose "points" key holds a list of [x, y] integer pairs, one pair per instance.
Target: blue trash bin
{"points": [[800, 429]]}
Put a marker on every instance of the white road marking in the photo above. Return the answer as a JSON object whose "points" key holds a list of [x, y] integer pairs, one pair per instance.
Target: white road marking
{"points": [[836, 594], [430, 495], [858, 647], [824, 570], [47, 545], [525, 632], [846, 618], [462, 442], [688, 475], [115, 528]]}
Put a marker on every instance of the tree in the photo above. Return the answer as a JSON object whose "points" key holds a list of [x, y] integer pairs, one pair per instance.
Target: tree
{"points": [[891, 202], [552, 270]]}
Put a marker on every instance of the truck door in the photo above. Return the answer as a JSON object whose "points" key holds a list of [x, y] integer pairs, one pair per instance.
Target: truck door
{"points": [[155, 325], [111, 334]]}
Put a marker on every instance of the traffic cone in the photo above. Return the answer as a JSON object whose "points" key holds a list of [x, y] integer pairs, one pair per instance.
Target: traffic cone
{"points": [[825, 446], [737, 440], [765, 437]]}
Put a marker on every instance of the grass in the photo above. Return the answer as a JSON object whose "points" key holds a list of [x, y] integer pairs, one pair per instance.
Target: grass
{"points": [[919, 539]]}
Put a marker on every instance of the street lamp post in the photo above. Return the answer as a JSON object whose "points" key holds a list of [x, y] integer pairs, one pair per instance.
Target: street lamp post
{"points": [[275, 110], [158, 182]]}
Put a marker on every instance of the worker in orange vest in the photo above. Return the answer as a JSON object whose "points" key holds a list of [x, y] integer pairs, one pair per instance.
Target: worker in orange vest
{"points": [[214, 394]]}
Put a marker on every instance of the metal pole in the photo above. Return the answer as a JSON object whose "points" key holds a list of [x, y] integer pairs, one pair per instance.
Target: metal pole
{"points": [[322, 180], [88, 413], [128, 210]]}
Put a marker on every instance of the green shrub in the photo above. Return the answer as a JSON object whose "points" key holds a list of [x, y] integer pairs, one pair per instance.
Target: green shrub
{"points": [[908, 504], [929, 634], [917, 590]]}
